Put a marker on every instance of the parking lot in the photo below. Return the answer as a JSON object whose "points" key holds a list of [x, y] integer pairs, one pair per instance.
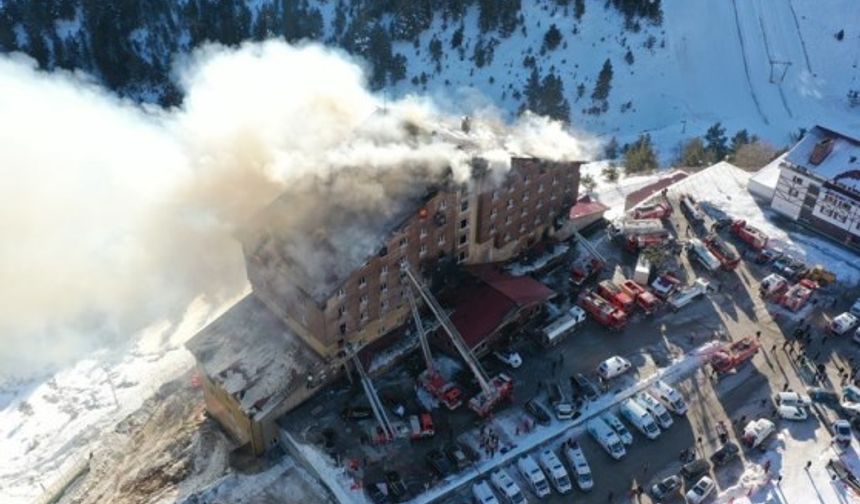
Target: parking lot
{"points": [[732, 312]]}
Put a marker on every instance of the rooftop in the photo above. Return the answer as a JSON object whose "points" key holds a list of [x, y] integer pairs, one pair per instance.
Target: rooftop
{"points": [[320, 236], [482, 306], [586, 206], [829, 155], [250, 353]]}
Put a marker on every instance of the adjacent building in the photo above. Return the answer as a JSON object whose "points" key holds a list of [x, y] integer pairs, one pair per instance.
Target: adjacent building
{"points": [[819, 185], [334, 286]]}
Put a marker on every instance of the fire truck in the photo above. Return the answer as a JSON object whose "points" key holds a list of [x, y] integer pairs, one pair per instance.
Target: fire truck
{"points": [[798, 294], [665, 285], [659, 210], [431, 379], [620, 299], [636, 242], [703, 255], [724, 252], [587, 266], [602, 310], [647, 302], [731, 356], [752, 236]]}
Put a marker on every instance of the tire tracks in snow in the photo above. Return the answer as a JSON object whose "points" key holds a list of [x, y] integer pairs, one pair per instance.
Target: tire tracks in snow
{"points": [[772, 62], [746, 63], [800, 36]]}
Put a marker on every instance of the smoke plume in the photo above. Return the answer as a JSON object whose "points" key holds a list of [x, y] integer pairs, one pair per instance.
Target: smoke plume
{"points": [[114, 214]]}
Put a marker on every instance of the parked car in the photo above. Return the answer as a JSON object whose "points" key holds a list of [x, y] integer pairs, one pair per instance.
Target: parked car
{"points": [[483, 494], [584, 386], [613, 366], [665, 487], [618, 426], [700, 491], [457, 456], [509, 357], [823, 396], [756, 431], [396, 486], [796, 413], [606, 437], [842, 432], [670, 397], [438, 462], [843, 323], [537, 411], [726, 454], [356, 413], [563, 408], [376, 494], [695, 469]]}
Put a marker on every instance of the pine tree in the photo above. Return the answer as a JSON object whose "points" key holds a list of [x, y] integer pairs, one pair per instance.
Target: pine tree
{"points": [[740, 139], [578, 9], [588, 183], [604, 82], [552, 38], [610, 150], [640, 156], [694, 153], [715, 140], [629, 57]]}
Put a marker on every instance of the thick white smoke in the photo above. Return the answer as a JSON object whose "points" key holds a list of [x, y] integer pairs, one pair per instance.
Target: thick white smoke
{"points": [[113, 214]]}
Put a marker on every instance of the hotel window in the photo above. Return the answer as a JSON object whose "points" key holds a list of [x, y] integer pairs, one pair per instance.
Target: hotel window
{"points": [[443, 205], [383, 305], [507, 237], [540, 204], [540, 188], [554, 180], [464, 223], [525, 197], [403, 243], [341, 311], [508, 219], [526, 179], [364, 316], [492, 229], [441, 239], [793, 192], [510, 203], [383, 287], [464, 205], [341, 293], [423, 251], [537, 220], [495, 195], [552, 198], [522, 228], [363, 300], [362, 282], [797, 180], [463, 255], [462, 239], [524, 211], [423, 232], [384, 270]]}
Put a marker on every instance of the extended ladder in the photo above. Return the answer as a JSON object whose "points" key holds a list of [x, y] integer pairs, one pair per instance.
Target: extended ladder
{"points": [[373, 398]]}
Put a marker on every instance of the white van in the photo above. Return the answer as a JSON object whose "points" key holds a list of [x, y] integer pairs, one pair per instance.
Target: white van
{"points": [[613, 366], [640, 418], [756, 431], [618, 426], [579, 465], [483, 494], [556, 332], [657, 410], [555, 471], [607, 438], [669, 397], [843, 323], [531, 472], [506, 486]]}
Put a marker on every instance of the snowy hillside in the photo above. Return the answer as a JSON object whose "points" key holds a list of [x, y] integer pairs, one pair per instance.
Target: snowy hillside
{"points": [[769, 66], [715, 66]]}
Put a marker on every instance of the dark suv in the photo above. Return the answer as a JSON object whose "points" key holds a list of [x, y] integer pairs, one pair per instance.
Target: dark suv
{"points": [[726, 454]]}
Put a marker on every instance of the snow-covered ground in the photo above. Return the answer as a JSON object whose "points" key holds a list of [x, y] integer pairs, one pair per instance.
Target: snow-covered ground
{"points": [[788, 452], [711, 61], [48, 426]]}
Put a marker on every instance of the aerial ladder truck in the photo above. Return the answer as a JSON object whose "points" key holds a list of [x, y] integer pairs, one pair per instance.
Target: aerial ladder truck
{"points": [[431, 379], [494, 390]]}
